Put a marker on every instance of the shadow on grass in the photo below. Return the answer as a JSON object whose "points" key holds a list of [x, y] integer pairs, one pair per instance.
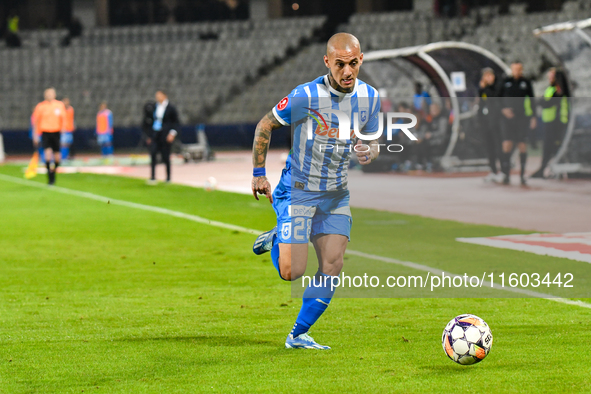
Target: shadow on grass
{"points": [[210, 340], [452, 367], [457, 368]]}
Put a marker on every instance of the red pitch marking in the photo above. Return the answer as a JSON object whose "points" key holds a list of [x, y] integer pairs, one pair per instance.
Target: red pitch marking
{"points": [[567, 247]]}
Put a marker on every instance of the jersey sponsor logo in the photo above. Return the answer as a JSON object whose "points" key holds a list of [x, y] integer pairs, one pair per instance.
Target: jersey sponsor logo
{"points": [[283, 104], [302, 210], [57, 111], [330, 133]]}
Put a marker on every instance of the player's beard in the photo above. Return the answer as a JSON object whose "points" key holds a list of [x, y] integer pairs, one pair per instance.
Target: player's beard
{"points": [[338, 87]]}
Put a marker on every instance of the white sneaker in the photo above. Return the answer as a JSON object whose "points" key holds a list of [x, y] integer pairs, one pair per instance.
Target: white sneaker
{"points": [[151, 182], [490, 177]]}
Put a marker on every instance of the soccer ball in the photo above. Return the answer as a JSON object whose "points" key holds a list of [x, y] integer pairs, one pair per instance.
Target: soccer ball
{"points": [[210, 184], [467, 339]]}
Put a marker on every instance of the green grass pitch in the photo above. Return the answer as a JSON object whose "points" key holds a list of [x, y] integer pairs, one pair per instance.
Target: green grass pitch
{"points": [[98, 297]]}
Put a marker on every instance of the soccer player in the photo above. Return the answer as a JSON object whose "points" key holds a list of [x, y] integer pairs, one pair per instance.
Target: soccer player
{"points": [[518, 117], [68, 135], [104, 130], [312, 200], [49, 119]]}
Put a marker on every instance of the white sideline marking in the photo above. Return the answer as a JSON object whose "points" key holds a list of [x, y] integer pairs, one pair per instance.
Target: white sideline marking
{"points": [[199, 219], [129, 204], [438, 272]]}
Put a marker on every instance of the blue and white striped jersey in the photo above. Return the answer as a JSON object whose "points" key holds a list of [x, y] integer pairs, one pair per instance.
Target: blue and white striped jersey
{"points": [[321, 163]]}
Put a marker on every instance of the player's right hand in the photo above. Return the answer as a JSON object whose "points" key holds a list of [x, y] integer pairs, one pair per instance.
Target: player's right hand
{"points": [[261, 185]]}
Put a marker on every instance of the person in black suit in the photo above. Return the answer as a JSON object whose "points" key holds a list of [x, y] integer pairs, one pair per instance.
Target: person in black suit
{"points": [[163, 132], [148, 118]]}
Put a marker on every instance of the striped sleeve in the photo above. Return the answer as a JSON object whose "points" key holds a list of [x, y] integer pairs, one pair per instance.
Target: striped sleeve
{"points": [[374, 118]]}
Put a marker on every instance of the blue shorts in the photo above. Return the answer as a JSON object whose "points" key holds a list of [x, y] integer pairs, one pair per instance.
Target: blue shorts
{"points": [[67, 138], [305, 214], [104, 139]]}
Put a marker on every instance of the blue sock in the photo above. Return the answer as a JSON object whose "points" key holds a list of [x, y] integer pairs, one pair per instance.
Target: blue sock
{"points": [[41, 155], [314, 302], [111, 149], [65, 152], [104, 150], [275, 256]]}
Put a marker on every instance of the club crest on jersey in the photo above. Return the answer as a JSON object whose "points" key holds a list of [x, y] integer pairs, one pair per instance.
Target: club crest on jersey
{"points": [[363, 116], [286, 231], [283, 103]]}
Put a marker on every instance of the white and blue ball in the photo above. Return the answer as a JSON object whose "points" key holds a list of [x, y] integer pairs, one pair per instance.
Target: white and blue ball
{"points": [[467, 339]]}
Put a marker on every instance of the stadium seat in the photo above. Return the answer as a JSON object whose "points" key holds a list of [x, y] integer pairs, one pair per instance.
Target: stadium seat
{"points": [[125, 65]]}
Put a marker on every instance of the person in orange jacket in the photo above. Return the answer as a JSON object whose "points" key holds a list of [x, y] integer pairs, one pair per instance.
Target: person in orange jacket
{"points": [[49, 121]]}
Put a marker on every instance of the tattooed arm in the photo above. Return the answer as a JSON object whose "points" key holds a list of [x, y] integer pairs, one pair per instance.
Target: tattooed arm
{"points": [[262, 138]]}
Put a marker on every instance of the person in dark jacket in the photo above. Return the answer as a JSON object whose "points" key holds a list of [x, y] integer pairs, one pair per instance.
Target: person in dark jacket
{"points": [[555, 108], [517, 93], [163, 132], [488, 118]]}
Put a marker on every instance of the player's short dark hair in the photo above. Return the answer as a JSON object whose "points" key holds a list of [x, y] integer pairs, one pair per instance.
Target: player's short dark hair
{"points": [[488, 70], [517, 61], [404, 104]]}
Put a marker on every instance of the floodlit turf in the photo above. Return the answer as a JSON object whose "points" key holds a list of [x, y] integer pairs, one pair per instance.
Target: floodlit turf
{"points": [[98, 297]]}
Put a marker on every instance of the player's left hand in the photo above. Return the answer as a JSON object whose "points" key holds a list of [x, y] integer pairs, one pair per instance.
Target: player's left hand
{"points": [[169, 138], [363, 153]]}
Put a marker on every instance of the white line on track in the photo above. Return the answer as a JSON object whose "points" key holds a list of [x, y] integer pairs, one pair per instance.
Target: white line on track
{"points": [[199, 219], [129, 204], [438, 272]]}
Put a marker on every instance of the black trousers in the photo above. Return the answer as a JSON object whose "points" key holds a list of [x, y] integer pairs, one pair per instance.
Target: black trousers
{"points": [[423, 151], [553, 135], [492, 140], [159, 145], [515, 129]]}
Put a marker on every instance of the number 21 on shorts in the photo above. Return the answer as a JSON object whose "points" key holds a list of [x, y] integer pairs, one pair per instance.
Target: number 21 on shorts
{"points": [[301, 230]]}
